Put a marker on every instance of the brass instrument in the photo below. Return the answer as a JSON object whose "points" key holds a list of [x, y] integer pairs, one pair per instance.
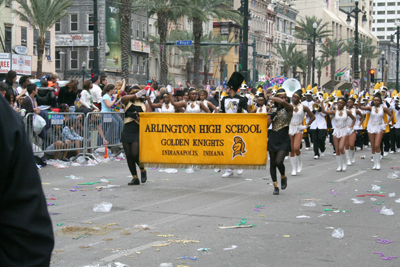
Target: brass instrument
{"points": [[316, 106], [329, 100]]}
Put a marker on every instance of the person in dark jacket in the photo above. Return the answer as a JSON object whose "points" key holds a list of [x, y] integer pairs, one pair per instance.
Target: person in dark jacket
{"points": [[26, 233]]}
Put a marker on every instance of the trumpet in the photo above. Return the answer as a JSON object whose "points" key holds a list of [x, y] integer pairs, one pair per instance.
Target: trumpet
{"points": [[329, 100], [316, 106]]}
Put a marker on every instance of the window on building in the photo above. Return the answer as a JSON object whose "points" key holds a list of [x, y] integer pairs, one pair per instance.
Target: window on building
{"points": [[8, 37], [284, 26], [398, 11], [277, 24], [144, 26], [391, 12], [137, 29], [58, 60], [35, 37], [391, 28], [391, 4], [391, 20], [90, 58], [57, 26], [381, 21], [90, 19], [373, 29], [73, 63], [398, 3], [381, 37], [73, 22], [380, 29], [24, 36], [144, 66], [381, 4], [381, 13], [138, 64], [47, 44], [8, 3]]}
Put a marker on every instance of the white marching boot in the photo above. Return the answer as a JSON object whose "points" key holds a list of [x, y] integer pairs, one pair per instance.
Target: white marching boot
{"points": [[375, 157], [344, 159], [299, 163], [353, 155], [339, 162], [293, 162], [348, 157], [378, 162]]}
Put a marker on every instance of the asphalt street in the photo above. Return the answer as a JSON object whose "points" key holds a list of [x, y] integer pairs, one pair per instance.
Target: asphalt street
{"points": [[173, 215]]}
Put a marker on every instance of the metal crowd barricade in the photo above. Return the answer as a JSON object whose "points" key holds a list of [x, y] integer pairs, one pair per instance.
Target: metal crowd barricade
{"points": [[63, 132], [100, 126]]}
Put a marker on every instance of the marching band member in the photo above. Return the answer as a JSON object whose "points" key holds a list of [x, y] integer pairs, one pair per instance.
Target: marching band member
{"points": [[309, 104], [350, 149], [192, 105], [233, 103], [165, 106], [133, 105], [279, 140], [208, 104], [341, 129], [318, 130], [260, 106], [387, 101], [395, 131], [376, 126], [296, 130]]}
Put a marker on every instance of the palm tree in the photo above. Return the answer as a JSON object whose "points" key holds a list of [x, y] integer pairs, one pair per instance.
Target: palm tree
{"points": [[296, 60], [42, 15], [285, 53], [320, 63], [303, 65], [332, 50], [187, 52], [166, 11], [203, 11], [125, 11], [306, 32]]}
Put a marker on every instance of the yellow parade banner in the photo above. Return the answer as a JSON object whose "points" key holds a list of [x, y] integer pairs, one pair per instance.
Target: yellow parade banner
{"points": [[204, 139]]}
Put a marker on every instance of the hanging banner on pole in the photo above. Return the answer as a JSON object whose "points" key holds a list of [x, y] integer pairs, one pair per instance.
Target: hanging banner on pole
{"points": [[207, 140]]}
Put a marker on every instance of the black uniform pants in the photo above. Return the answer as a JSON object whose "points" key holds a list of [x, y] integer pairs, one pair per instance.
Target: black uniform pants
{"points": [[318, 137]]}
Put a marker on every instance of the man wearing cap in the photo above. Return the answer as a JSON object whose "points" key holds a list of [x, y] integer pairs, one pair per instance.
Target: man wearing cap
{"points": [[233, 103], [308, 103], [96, 91]]}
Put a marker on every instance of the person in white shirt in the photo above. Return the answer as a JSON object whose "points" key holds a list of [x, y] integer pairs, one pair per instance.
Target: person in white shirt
{"points": [[309, 104], [395, 131], [387, 102], [318, 131], [96, 91], [86, 95]]}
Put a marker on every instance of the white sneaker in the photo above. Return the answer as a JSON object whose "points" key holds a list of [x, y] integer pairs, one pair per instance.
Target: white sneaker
{"points": [[316, 157], [307, 148], [322, 154], [217, 170], [398, 150], [240, 171], [365, 146], [286, 158], [358, 148], [189, 170], [391, 152], [385, 154], [227, 174]]}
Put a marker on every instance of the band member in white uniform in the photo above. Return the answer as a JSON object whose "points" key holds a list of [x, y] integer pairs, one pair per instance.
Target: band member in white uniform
{"points": [[318, 130], [192, 105], [233, 103], [395, 131], [376, 126], [351, 140], [260, 106], [296, 130], [308, 103], [341, 129], [208, 104], [165, 106]]}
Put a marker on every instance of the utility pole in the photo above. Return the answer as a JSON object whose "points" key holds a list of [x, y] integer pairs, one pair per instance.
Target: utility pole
{"points": [[254, 62], [95, 39], [245, 48]]}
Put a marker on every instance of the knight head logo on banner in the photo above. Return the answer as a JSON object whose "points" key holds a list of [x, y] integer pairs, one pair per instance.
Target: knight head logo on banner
{"points": [[238, 147]]}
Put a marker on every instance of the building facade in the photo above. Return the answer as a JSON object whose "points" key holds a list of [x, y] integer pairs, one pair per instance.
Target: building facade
{"points": [[75, 39]]}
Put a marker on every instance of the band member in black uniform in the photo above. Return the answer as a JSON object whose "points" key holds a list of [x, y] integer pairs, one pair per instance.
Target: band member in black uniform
{"points": [[26, 233], [279, 139], [233, 103], [134, 105]]}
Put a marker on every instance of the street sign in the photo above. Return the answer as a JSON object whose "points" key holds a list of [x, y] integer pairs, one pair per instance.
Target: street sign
{"points": [[184, 42], [356, 83]]}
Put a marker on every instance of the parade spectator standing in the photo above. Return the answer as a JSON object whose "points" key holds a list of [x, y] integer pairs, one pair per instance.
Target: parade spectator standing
{"points": [[68, 93], [86, 95], [3, 88], [26, 234], [23, 83], [11, 78], [103, 81], [96, 91]]}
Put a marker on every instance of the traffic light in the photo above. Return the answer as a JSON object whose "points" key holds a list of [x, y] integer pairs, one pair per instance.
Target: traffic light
{"points": [[92, 75], [372, 75]]}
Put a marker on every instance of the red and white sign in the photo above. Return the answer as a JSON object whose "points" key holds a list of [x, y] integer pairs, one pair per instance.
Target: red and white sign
{"points": [[356, 83], [21, 64], [5, 65], [140, 46]]}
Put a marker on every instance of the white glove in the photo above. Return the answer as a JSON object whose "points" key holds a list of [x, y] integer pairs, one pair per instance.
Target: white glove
{"points": [[141, 93], [302, 127], [249, 101], [148, 92]]}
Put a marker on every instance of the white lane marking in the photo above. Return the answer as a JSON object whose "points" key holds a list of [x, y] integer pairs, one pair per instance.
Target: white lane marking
{"points": [[350, 176]]}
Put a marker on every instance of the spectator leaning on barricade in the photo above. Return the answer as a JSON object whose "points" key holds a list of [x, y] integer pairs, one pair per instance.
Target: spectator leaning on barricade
{"points": [[111, 129], [96, 91], [46, 97], [87, 97], [68, 93], [31, 106]]}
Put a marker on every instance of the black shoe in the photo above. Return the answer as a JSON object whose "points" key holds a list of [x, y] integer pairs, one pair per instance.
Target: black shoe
{"points": [[143, 177], [66, 160], [276, 189], [135, 181], [284, 183]]}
